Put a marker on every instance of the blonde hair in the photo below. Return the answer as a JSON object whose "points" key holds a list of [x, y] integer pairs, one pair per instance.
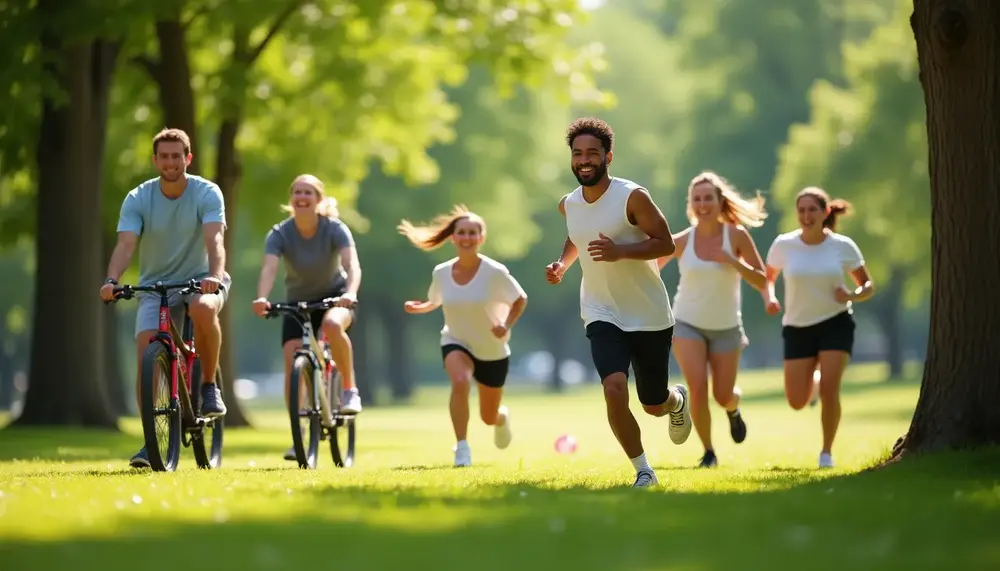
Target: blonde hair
{"points": [[327, 204], [431, 235], [749, 212], [837, 206]]}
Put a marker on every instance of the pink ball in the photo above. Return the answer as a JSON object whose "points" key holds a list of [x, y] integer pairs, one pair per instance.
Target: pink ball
{"points": [[566, 444]]}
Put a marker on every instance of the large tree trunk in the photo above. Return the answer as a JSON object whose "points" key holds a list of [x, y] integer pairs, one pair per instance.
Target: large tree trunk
{"points": [[113, 372], [360, 333], [67, 381], [399, 368], [959, 55]]}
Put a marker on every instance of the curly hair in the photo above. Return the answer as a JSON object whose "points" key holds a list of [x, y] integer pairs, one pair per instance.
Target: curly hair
{"points": [[594, 127]]}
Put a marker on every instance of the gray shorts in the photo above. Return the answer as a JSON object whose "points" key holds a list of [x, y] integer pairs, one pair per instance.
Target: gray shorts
{"points": [[718, 340], [147, 315]]}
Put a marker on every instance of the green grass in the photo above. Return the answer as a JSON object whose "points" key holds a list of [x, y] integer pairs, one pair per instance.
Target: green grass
{"points": [[68, 499]]}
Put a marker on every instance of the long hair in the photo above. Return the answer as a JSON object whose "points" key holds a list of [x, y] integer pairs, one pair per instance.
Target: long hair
{"points": [[735, 209], [838, 206], [327, 204], [431, 235]]}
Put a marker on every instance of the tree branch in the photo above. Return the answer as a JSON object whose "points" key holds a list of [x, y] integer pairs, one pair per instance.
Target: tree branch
{"points": [[273, 31], [197, 14]]}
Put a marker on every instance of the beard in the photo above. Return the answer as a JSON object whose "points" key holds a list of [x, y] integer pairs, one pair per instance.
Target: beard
{"points": [[594, 177]]}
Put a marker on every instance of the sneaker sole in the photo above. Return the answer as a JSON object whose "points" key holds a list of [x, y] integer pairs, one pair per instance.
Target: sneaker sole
{"points": [[685, 430]]}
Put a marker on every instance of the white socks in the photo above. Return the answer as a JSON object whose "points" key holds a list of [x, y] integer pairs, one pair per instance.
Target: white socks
{"points": [[640, 464]]}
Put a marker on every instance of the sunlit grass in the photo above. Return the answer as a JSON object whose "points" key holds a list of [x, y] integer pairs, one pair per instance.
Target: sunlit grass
{"points": [[68, 497]]}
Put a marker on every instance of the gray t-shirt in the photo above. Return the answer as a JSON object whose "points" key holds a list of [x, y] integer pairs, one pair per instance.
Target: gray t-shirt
{"points": [[312, 267], [172, 243]]}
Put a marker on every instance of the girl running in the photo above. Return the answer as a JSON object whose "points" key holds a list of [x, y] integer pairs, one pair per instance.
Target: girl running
{"points": [[713, 255], [481, 303], [818, 327], [320, 262]]}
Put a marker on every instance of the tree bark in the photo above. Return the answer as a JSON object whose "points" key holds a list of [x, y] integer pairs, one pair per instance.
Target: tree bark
{"points": [[400, 364], [113, 372], [958, 52], [66, 380]]}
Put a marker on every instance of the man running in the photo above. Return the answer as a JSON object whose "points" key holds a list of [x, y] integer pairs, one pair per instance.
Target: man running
{"points": [[623, 302], [181, 219]]}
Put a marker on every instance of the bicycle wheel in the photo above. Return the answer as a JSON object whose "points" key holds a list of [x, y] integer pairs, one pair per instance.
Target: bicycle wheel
{"points": [[303, 412], [161, 414], [344, 426], [213, 431]]}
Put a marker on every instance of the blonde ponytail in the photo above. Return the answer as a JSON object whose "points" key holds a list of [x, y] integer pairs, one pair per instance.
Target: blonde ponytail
{"points": [[429, 236]]}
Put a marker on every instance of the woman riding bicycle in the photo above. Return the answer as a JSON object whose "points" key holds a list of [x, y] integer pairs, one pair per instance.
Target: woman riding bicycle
{"points": [[320, 261]]}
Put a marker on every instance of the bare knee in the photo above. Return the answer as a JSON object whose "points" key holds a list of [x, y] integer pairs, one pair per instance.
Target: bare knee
{"points": [[203, 311], [797, 402], [829, 394], [724, 398], [333, 328], [616, 391], [489, 416]]}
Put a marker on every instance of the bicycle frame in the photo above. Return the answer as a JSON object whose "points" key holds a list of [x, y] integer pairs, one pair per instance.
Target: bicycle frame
{"points": [[180, 368], [320, 362]]}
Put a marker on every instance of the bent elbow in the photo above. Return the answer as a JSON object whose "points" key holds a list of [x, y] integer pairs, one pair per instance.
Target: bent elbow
{"points": [[669, 247]]}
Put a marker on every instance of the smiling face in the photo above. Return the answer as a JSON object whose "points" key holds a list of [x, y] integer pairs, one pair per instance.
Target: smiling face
{"points": [[589, 160], [812, 212], [468, 236], [171, 160], [303, 198], [704, 202]]}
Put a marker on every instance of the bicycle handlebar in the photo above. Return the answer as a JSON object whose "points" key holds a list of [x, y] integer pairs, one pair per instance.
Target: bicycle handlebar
{"points": [[302, 307], [186, 287]]}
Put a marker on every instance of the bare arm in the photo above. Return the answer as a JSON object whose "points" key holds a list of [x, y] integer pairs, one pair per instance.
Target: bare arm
{"points": [[866, 288], [352, 265], [268, 273], [650, 220], [420, 307], [569, 252], [680, 240], [516, 309], [121, 257], [747, 260], [770, 276], [216, 246]]}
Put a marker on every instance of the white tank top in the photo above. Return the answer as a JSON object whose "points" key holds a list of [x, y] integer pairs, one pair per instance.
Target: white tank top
{"points": [[626, 293], [708, 293]]}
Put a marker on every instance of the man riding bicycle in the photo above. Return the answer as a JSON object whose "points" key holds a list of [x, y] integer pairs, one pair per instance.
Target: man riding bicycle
{"points": [[181, 219]]}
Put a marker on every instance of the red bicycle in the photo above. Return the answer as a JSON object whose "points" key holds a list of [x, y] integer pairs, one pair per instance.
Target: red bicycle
{"points": [[174, 401]]}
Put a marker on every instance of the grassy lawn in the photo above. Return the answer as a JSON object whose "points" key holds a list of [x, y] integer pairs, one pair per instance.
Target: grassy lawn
{"points": [[68, 499]]}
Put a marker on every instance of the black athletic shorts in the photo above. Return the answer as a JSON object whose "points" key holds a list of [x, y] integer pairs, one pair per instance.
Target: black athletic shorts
{"points": [[292, 329], [488, 373], [648, 352], [834, 334]]}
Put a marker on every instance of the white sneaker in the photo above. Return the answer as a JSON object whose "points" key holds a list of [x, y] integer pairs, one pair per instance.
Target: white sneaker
{"points": [[350, 401], [645, 479], [825, 460], [680, 421], [463, 454], [502, 434]]}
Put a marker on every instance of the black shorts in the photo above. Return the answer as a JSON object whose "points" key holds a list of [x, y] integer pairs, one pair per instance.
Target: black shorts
{"points": [[648, 352], [488, 373], [292, 329], [834, 334]]}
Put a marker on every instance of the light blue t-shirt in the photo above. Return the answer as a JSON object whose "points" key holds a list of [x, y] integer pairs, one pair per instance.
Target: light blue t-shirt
{"points": [[172, 243]]}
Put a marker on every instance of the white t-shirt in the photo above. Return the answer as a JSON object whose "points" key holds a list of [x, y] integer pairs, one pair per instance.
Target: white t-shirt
{"points": [[471, 310], [812, 272]]}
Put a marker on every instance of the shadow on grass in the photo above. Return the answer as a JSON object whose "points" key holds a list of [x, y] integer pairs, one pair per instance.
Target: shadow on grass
{"points": [[922, 514]]}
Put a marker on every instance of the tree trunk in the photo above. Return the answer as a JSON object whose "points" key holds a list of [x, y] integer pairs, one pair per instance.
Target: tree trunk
{"points": [[888, 314], [228, 178], [113, 372], [360, 333], [172, 73], [557, 342], [958, 56], [67, 381]]}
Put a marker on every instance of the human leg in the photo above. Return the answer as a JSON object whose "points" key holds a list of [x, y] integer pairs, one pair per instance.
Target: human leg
{"points": [[291, 341], [204, 311], [491, 377], [691, 353], [724, 361], [336, 322], [610, 352], [459, 367], [650, 354], [835, 344]]}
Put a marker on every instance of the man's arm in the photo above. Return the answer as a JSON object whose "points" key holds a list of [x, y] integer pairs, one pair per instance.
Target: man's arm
{"points": [[648, 217], [569, 252], [352, 266], [215, 243], [121, 257]]}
